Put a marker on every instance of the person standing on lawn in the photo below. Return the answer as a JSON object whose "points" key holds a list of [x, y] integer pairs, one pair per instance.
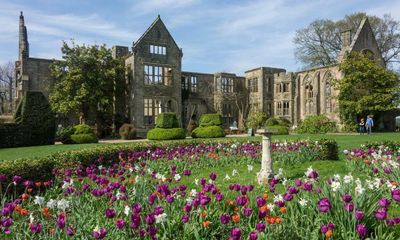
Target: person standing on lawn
{"points": [[362, 126], [369, 124]]}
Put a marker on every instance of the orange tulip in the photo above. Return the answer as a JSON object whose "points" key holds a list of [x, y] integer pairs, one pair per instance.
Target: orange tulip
{"points": [[29, 190], [265, 196], [46, 212], [264, 208], [23, 211], [52, 230], [329, 233], [236, 209], [206, 224], [204, 214], [25, 196], [236, 218], [282, 209], [38, 184]]}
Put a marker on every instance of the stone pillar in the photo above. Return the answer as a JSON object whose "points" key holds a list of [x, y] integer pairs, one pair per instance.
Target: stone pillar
{"points": [[266, 171]]}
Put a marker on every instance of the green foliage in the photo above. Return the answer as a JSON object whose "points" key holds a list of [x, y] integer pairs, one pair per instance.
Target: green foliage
{"points": [[64, 135], [85, 79], [84, 138], [277, 121], [329, 149], [35, 125], [83, 129], [365, 89], [166, 133], [213, 119], [256, 119], [127, 131], [315, 124], [167, 120], [280, 130], [208, 132]]}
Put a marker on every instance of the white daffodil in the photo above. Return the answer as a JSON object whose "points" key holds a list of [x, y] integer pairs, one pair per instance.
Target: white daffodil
{"points": [[278, 198], [62, 204], [193, 193], [390, 185], [177, 177], [284, 181], [160, 218], [335, 186], [137, 178], [31, 218], [359, 189], [51, 203], [235, 172], [309, 170], [249, 168], [345, 152], [336, 177], [303, 202], [196, 181], [227, 177], [271, 206], [348, 178], [127, 210], [39, 200], [189, 200]]}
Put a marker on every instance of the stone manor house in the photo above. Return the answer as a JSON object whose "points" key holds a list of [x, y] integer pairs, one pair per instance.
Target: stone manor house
{"points": [[155, 81]]}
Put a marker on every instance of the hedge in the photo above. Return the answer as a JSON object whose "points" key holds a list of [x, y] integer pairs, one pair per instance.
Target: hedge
{"points": [[213, 119], [34, 123], [315, 124], [166, 133], [208, 132], [41, 168], [167, 120], [84, 138], [280, 130]]}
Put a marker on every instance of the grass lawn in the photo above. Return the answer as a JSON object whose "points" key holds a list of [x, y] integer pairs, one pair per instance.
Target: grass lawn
{"points": [[344, 142]]}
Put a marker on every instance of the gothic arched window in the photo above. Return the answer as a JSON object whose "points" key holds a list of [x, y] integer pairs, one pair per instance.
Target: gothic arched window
{"points": [[328, 93]]}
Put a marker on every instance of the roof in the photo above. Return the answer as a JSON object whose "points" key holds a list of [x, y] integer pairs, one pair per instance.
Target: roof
{"points": [[155, 22]]}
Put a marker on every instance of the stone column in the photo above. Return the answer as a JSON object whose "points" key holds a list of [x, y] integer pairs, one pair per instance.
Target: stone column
{"points": [[266, 171]]}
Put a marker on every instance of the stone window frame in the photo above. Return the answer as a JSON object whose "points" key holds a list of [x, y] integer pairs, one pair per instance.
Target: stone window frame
{"points": [[227, 113], [157, 49], [328, 93], [152, 107], [279, 108], [194, 84], [157, 75], [252, 84], [185, 83], [224, 85], [285, 108]]}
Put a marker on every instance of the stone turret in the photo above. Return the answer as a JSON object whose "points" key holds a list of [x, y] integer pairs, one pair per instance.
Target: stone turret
{"points": [[23, 39]]}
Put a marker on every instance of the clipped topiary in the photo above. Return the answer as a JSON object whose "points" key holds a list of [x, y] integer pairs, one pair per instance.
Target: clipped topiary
{"points": [[271, 122], [213, 119], [208, 132], [167, 120], [316, 124], [166, 133], [127, 131], [64, 135], [84, 138], [83, 134], [279, 130]]}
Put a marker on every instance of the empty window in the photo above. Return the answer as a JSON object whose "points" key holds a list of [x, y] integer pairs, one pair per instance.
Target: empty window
{"points": [[227, 114], [155, 49], [285, 108], [185, 83], [157, 75], [285, 87], [152, 107], [193, 84], [279, 108], [225, 85], [328, 97], [253, 85]]}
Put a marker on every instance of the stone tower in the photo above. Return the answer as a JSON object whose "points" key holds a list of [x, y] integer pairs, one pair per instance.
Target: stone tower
{"points": [[23, 39]]}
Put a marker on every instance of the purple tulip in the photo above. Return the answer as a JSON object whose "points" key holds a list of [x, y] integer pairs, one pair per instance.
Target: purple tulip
{"points": [[3, 178], [298, 182], [253, 236], [150, 219], [136, 208], [359, 214], [225, 218], [375, 170], [213, 176], [293, 190], [349, 207], [16, 178], [361, 230], [260, 201], [260, 227], [381, 214], [219, 197], [347, 198], [324, 228], [241, 200], [396, 195], [6, 222], [185, 218], [324, 205], [313, 175], [61, 221], [383, 202], [247, 212], [387, 170], [135, 220], [287, 197], [70, 231], [120, 223], [236, 233], [110, 213], [170, 199], [307, 186], [35, 227], [100, 234], [152, 230]]}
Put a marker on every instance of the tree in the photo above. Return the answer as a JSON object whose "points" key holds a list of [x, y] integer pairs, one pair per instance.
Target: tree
{"points": [[320, 43], [85, 80], [366, 88], [6, 87]]}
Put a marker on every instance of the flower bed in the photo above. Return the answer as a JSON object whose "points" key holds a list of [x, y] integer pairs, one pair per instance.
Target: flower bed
{"points": [[139, 197]]}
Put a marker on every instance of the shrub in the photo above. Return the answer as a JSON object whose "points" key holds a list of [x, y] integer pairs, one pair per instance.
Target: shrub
{"points": [[35, 123], [83, 129], [207, 120], [280, 130], [166, 133], [316, 124], [256, 119], [208, 132], [329, 149], [167, 120], [84, 138], [272, 122], [127, 131], [64, 135]]}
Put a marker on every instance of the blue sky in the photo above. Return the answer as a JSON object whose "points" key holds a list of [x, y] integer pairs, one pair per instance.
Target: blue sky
{"points": [[216, 35]]}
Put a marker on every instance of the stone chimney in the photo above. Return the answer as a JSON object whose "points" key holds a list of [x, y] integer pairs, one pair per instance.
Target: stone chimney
{"points": [[23, 39], [346, 38]]}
